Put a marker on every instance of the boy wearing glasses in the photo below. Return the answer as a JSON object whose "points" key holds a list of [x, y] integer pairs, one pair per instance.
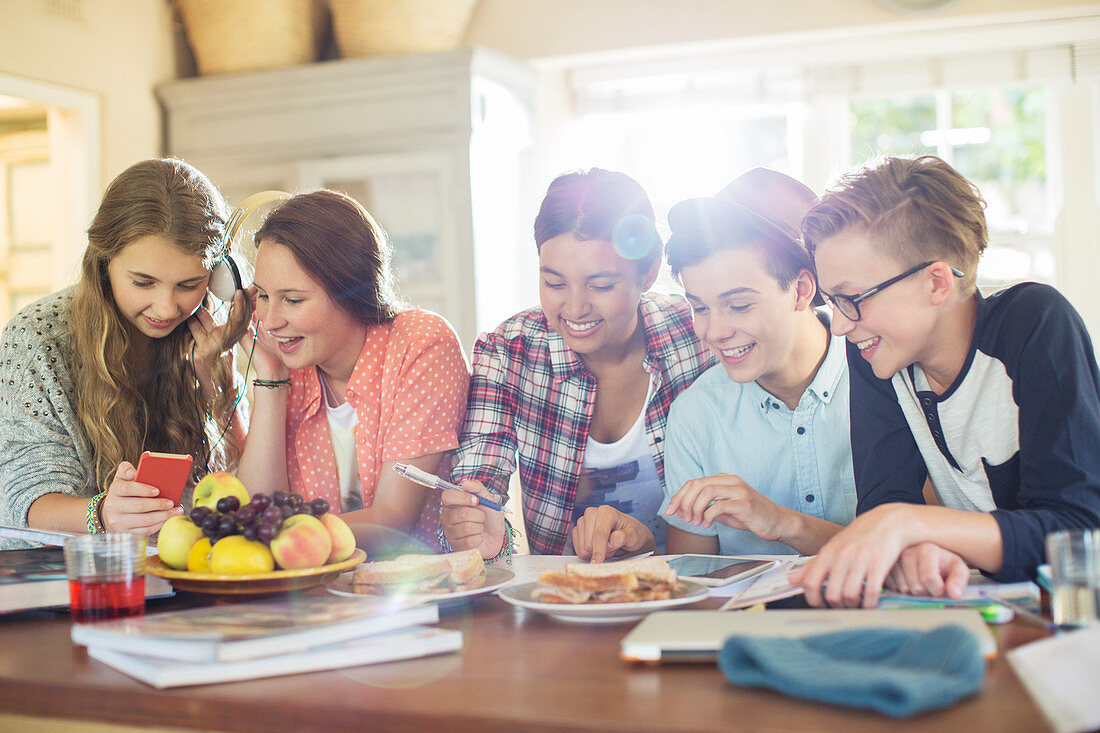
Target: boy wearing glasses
{"points": [[995, 401], [757, 454]]}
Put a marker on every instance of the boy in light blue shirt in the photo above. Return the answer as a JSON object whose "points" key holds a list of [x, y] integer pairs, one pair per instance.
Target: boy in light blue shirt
{"points": [[757, 455]]}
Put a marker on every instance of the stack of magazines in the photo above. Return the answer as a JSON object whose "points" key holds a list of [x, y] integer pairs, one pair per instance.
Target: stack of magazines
{"points": [[268, 638]]}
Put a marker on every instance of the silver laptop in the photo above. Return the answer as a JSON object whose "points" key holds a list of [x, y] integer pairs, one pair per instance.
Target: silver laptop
{"points": [[684, 636]]}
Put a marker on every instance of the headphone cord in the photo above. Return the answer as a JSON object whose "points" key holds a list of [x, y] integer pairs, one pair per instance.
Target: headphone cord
{"points": [[236, 402]]}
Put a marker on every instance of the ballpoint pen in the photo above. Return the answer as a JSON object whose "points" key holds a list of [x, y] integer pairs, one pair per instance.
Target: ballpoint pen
{"points": [[414, 474]]}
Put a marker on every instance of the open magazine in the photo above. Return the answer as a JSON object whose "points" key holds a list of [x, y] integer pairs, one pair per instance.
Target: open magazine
{"points": [[772, 585]]}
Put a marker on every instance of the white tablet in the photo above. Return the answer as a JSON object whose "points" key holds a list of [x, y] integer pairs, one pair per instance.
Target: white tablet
{"points": [[716, 570]]}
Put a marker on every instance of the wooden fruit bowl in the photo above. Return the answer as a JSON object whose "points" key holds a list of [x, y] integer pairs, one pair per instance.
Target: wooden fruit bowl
{"points": [[277, 581]]}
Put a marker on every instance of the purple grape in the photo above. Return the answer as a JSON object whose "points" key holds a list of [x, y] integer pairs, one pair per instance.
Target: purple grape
{"points": [[260, 501], [279, 498], [266, 533], [294, 501], [246, 514], [286, 511], [228, 504], [272, 513], [305, 509], [249, 532], [320, 506], [226, 525], [198, 514], [210, 523]]}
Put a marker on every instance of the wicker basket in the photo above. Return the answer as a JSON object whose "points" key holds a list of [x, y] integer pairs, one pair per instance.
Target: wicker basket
{"points": [[382, 27], [245, 35]]}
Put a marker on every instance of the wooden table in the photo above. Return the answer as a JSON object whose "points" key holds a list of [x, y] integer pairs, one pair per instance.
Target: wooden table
{"points": [[519, 671]]}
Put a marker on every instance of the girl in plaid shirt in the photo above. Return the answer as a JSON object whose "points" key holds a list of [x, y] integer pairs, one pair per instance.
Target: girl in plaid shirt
{"points": [[577, 391]]}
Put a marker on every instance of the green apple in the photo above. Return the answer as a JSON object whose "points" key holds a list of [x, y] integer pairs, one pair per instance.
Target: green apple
{"points": [[178, 535], [215, 486]]}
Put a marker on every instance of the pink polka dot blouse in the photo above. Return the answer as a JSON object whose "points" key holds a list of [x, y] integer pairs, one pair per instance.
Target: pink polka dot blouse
{"points": [[409, 392]]}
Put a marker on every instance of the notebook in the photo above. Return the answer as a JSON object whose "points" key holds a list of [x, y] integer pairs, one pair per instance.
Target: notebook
{"points": [[409, 643], [239, 631], [685, 636]]}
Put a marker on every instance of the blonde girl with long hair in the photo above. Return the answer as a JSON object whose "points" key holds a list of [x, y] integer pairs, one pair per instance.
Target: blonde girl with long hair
{"points": [[128, 359]]}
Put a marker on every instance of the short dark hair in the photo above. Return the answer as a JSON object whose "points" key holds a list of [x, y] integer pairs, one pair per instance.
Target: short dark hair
{"points": [[741, 233], [601, 205], [761, 210], [342, 247]]}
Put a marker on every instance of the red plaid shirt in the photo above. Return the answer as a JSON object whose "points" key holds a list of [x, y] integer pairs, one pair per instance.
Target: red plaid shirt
{"points": [[530, 393]]}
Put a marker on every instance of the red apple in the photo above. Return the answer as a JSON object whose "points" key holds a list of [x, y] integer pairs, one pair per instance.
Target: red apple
{"points": [[343, 539], [303, 542]]}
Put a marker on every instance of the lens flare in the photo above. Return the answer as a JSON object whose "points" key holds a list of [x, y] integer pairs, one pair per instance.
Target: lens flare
{"points": [[634, 237]]}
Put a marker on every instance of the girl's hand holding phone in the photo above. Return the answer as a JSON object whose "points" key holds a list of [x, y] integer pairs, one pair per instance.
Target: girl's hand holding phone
{"points": [[131, 506]]}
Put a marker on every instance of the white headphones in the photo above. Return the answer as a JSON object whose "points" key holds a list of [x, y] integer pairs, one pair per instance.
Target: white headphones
{"points": [[225, 278]]}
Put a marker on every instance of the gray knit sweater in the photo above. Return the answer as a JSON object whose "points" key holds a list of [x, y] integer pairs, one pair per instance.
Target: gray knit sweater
{"points": [[42, 449]]}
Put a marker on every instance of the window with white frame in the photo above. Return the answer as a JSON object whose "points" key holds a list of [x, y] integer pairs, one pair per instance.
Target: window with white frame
{"points": [[991, 102], [995, 136]]}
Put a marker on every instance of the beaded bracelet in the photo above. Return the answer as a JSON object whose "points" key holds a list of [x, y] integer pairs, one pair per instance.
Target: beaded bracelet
{"points": [[271, 383], [509, 545], [95, 521]]}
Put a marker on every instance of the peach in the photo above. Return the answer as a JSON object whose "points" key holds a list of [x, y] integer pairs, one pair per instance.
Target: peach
{"points": [[343, 539], [303, 542], [214, 486]]}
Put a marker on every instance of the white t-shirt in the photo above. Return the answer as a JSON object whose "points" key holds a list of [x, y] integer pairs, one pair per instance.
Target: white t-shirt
{"points": [[342, 420], [623, 475]]}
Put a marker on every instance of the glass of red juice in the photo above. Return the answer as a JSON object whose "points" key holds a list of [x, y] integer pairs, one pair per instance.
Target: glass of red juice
{"points": [[106, 576]]}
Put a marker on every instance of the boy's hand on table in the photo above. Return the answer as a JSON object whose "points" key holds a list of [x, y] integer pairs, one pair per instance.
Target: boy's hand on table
{"points": [[468, 525], [728, 499], [926, 569], [853, 565], [603, 531]]}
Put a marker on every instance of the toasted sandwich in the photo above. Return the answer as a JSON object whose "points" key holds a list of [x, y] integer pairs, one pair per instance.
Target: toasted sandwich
{"points": [[412, 574], [627, 581]]}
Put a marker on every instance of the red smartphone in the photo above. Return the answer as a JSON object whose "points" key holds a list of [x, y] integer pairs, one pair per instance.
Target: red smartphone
{"points": [[166, 471]]}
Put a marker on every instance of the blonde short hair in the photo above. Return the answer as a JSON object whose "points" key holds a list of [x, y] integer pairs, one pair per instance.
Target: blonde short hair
{"points": [[915, 209]]}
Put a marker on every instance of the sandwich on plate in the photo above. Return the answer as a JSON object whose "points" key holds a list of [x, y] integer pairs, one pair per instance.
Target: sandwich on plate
{"points": [[411, 574], [626, 581]]}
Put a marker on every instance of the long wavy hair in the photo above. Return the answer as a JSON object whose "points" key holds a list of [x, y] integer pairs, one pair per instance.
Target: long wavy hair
{"points": [[123, 411]]}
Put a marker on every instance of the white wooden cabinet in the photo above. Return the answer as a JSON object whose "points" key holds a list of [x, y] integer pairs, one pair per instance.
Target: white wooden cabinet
{"points": [[436, 146]]}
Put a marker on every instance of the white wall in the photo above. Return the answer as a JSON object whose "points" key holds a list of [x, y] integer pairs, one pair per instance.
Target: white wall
{"points": [[115, 49]]}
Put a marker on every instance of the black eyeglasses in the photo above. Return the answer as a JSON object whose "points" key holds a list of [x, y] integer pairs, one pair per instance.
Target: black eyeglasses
{"points": [[848, 305]]}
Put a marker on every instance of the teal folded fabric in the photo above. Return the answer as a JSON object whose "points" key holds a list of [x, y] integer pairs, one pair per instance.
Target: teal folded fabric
{"points": [[899, 672]]}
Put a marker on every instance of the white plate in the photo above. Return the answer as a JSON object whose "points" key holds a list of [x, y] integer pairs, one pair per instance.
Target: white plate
{"points": [[495, 578], [600, 613]]}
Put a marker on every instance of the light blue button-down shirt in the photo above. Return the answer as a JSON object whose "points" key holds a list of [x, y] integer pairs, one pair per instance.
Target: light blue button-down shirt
{"points": [[799, 458]]}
